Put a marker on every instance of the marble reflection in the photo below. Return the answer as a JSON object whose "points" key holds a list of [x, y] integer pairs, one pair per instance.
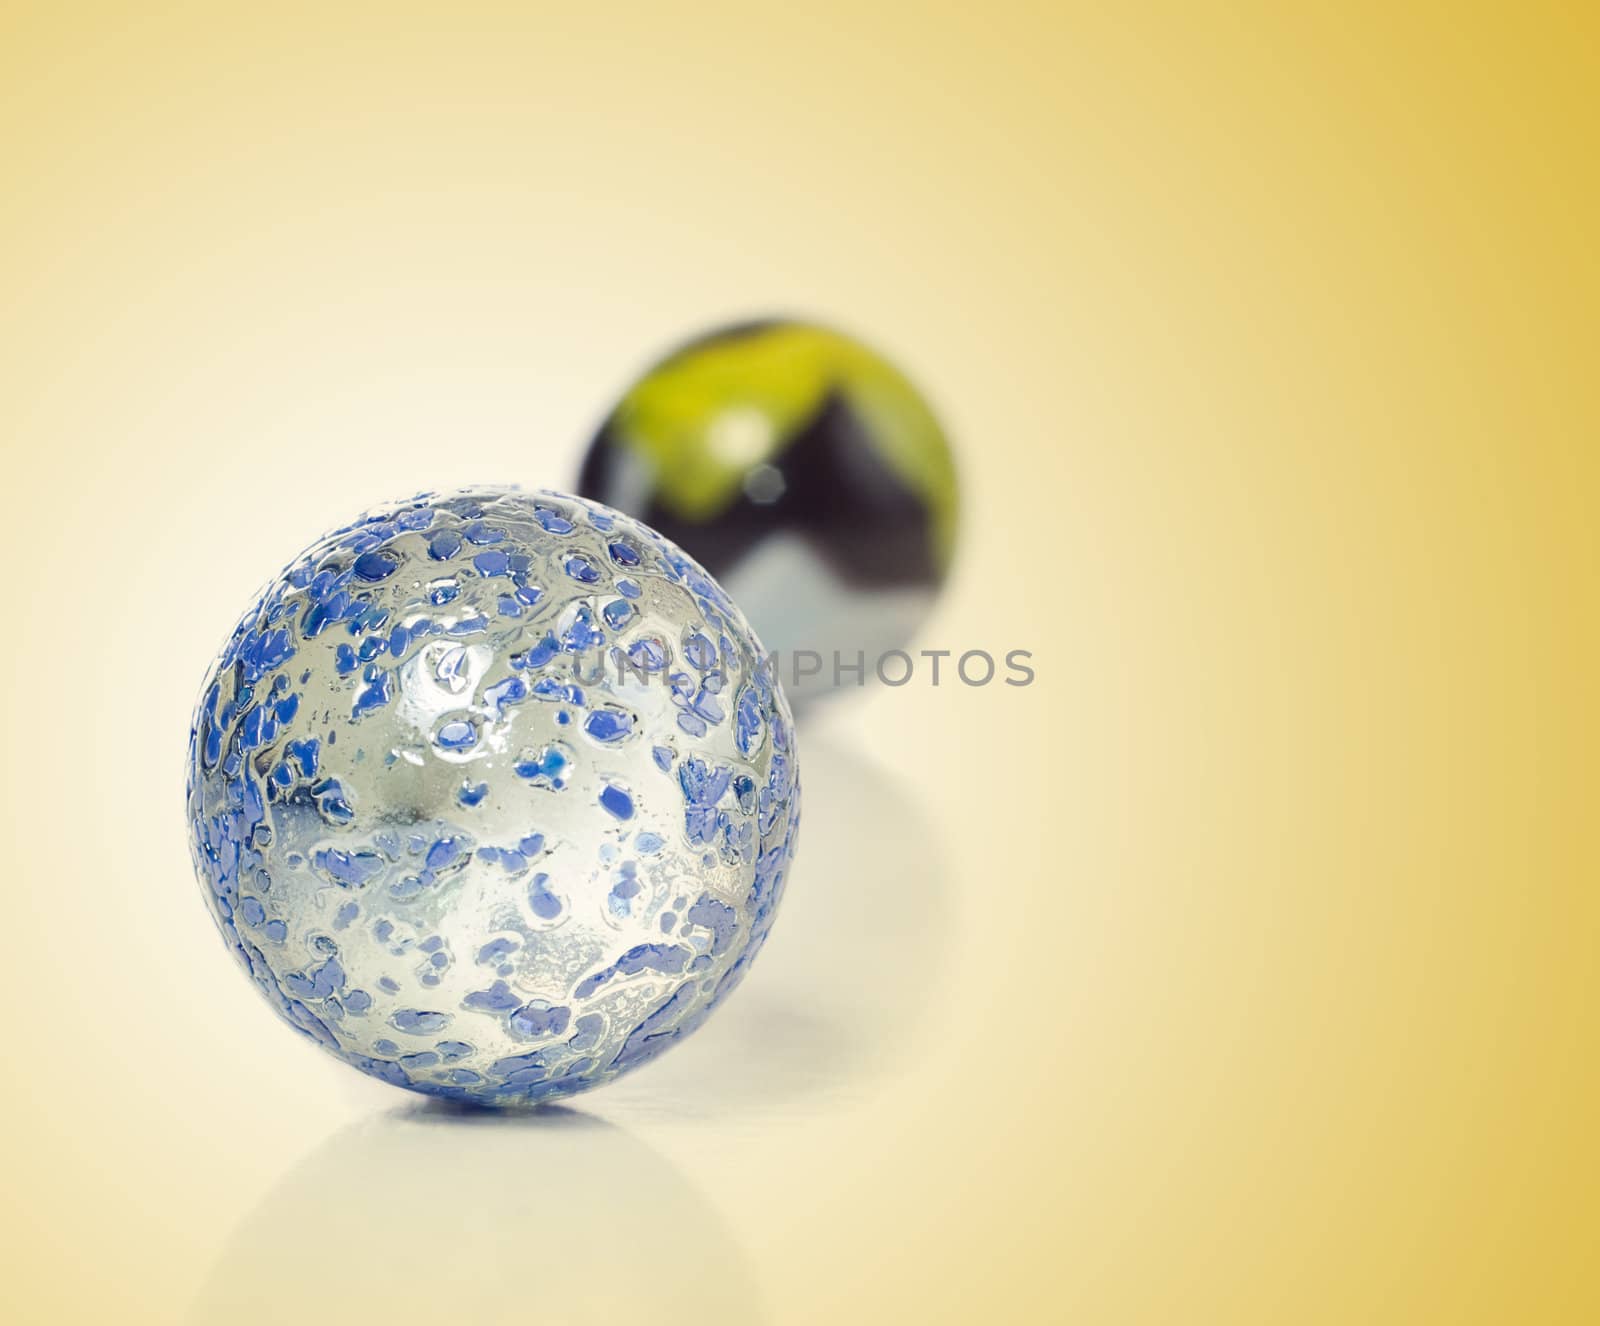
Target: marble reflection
{"points": [[838, 997], [433, 1213]]}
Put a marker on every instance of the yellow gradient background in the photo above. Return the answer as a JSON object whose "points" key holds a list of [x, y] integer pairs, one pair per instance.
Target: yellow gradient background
{"points": [[1267, 988]]}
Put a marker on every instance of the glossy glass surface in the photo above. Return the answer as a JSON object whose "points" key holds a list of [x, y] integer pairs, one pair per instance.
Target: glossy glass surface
{"points": [[490, 794]]}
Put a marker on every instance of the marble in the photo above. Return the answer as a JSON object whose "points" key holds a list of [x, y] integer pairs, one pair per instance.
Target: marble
{"points": [[812, 477], [492, 794]]}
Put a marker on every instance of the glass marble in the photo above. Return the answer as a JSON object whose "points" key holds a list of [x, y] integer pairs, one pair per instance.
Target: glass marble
{"points": [[807, 472], [492, 795]]}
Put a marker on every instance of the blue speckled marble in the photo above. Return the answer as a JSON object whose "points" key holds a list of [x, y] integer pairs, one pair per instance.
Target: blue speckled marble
{"points": [[491, 796]]}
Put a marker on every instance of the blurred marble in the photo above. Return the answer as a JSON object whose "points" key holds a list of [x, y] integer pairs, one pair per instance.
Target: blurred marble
{"points": [[433, 1212], [806, 472]]}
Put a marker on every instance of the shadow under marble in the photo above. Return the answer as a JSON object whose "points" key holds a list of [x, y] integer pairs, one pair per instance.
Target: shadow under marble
{"points": [[839, 993], [432, 1212]]}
